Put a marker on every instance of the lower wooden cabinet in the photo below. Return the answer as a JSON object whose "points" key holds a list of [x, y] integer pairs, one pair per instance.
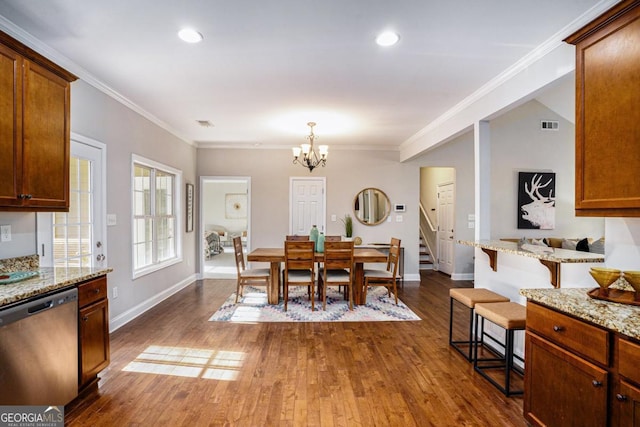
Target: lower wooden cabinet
{"points": [[628, 400], [567, 390], [93, 330], [577, 373]]}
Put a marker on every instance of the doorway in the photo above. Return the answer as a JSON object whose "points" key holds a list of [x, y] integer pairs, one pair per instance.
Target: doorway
{"points": [[307, 205], [77, 238], [446, 226], [225, 211]]}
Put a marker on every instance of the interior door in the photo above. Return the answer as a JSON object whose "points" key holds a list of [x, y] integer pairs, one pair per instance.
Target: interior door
{"points": [[307, 205], [446, 205], [77, 238]]}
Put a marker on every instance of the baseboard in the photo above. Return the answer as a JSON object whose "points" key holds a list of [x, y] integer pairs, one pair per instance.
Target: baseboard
{"points": [[462, 276], [412, 277], [126, 317]]}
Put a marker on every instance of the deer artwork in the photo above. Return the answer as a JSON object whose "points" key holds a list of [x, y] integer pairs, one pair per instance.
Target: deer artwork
{"points": [[541, 210]]}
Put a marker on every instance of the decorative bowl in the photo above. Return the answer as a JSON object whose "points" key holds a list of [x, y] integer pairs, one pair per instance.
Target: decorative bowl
{"points": [[605, 277], [633, 278]]}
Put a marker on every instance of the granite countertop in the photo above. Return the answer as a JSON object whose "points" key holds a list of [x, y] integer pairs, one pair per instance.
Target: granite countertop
{"points": [[538, 252], [621, 318], [48, 279]]}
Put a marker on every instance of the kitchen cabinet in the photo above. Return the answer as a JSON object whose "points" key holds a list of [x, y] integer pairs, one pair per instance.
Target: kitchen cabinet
{"points": [[577, 373], [627, 395], [608, 113], [93, 330], [34, 130]]}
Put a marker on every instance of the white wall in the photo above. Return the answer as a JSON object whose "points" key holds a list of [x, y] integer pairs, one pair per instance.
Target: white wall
{"points": [[519, 145], [457, 154], [347, 172]]}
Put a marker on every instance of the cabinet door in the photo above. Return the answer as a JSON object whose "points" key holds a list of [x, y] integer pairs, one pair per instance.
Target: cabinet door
{"points": [[10, 126], [629, 400], [562, 389], [607, 115], [46, 106], [94, 340]]}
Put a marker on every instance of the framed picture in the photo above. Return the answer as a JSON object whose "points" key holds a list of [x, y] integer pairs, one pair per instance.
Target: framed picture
{"points": [[235, 206], [189, 208], [537, 200]]}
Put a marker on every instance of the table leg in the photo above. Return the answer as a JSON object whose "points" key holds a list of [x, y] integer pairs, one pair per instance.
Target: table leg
{"points": [[358, 284], [273, 294]]}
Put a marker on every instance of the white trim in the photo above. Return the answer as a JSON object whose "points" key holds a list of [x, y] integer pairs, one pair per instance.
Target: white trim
{"points": [[126, 317], [180, 225], [462, 276]]}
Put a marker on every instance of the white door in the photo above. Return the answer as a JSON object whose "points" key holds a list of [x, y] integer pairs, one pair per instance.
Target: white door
{"points": [[446, 205], [77, 238], [306, 205]]}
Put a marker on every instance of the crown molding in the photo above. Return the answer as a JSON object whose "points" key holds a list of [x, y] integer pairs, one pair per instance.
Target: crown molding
{"points": [[53, 55]]}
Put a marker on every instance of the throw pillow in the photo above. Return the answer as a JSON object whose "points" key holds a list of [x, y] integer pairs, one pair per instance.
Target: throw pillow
{"points": [[539, 242], [597, 247], [583, 245], [569, 244]]}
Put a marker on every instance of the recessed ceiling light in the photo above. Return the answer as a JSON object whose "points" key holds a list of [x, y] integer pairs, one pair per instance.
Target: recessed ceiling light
{"points": [[190, 35], [388, 38]]}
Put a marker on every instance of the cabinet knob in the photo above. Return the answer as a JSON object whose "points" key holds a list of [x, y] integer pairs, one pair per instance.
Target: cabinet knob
{"points": [[621, 397], [97, 290], [22, 196], [596, 383], [85, 318], [28, 196], [557, 328]]}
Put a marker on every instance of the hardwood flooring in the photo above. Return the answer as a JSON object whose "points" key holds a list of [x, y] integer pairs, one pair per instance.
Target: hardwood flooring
{"points": [[173, 367]]}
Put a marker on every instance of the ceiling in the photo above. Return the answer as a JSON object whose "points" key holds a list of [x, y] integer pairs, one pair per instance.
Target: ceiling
{"points": [[265, 69]]}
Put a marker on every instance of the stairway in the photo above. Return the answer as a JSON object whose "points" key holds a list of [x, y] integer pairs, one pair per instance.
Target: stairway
{"points": [[426, 263]]}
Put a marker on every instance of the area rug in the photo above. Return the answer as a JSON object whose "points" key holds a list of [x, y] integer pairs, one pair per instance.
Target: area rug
{"points": [[253, 307]]}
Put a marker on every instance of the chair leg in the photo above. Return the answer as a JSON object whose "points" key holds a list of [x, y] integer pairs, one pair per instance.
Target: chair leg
{"points": [[364, 292], [237, 290], [286, 295], [313, 297], [350, 296], [395, 291]]}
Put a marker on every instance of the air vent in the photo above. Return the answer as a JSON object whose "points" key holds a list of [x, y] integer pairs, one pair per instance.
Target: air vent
{"points": [[205, 123], [549, 125]]}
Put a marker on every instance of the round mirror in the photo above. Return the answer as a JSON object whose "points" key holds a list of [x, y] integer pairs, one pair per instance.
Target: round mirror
{"points": [[371, 206]]}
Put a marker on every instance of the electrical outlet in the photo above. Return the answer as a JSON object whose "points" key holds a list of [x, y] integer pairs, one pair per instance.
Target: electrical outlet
{"points": [[5, 233], [115, 292]]}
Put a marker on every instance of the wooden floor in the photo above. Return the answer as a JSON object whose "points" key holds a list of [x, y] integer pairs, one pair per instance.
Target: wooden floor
{"points": [[173, 367]]}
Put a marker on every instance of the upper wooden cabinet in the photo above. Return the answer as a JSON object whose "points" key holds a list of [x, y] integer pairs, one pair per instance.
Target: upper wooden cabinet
{"points": [[34, 130], [608, 113]]}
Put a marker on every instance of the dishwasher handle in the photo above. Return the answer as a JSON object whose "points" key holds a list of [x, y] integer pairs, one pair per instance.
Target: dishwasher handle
{"points": [[36, 306]]}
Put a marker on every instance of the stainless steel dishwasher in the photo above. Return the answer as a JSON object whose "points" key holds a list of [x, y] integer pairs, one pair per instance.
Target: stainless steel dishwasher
{"points": [[39, 351]]}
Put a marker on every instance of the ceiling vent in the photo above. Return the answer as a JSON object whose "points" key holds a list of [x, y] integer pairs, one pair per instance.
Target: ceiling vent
{"points": [[549, 125], [205, 123]]}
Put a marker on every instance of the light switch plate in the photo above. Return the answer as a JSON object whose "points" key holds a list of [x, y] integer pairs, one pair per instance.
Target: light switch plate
{"points": [[111, 219]]}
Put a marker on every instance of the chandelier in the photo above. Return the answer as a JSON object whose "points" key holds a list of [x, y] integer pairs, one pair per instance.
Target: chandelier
{"points": [[310, 159]]}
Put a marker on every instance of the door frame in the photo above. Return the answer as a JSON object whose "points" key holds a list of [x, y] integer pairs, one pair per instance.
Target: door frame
{"points": [[44, 220], [201, 220], [323, 226]]}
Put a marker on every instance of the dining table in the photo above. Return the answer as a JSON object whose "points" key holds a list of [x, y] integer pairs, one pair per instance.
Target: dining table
{"points": [[275, 256]]}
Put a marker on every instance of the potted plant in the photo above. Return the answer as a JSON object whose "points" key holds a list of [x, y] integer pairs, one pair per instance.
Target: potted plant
{"points": [[348, 226]]}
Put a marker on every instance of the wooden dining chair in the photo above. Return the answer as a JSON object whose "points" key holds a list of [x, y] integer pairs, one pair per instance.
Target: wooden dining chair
{"points": [[299, 267], [387, 277], [337, 269], [297, 238], [248, 276]]}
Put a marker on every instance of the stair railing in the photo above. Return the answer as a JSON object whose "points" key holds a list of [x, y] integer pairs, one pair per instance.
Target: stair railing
{"points": [[429, 234]]}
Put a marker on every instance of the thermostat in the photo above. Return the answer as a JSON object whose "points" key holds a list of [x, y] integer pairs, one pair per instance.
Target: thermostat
{"points": [[399, 207]]}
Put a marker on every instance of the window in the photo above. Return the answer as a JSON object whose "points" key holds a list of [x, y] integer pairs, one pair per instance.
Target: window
{"points": [[72, 231], [156, 216]]}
